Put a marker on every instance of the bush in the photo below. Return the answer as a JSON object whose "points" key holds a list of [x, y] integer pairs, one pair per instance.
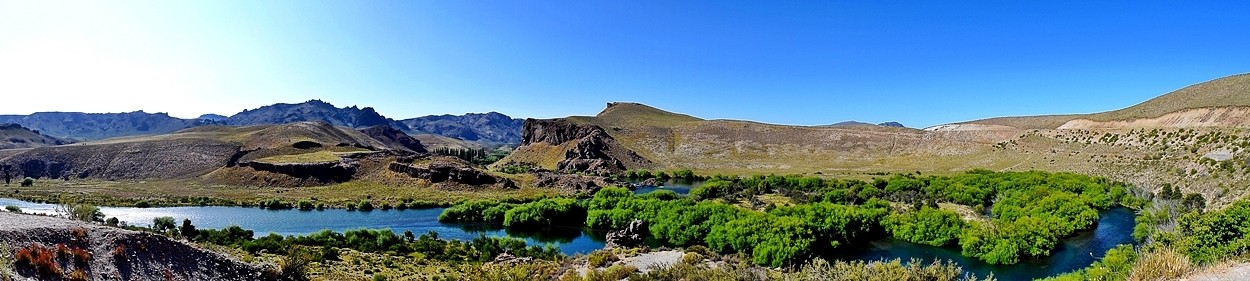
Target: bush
{"points": [[39, 259], [546, 212], [163, 225], [1161, 264], [915, 269], [82, 212], [188, 230], [601, 258], [28, 182], [929, 226], [13, 209]]}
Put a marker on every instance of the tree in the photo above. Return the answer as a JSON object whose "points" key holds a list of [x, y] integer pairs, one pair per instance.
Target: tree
{"points": [[82, 212], [163, 224], [187, 230]]}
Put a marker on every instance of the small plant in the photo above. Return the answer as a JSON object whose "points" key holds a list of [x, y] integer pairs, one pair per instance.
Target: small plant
{"points": [[80, 233], [39, 258], [28, 182], [600, 258], [119, 251], [13, 209], [78, 275], [81, 256]]}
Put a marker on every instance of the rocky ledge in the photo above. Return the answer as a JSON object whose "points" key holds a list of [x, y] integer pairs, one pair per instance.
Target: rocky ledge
{"points": [[441, 169], [65, 249], [325, 172]]}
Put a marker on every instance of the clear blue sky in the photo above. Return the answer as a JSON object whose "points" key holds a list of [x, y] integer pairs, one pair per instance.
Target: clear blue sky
{"points": [[792, 62]]}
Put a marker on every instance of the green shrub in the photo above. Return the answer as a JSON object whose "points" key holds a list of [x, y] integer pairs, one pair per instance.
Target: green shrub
{"points": [[13, 209], [600, 258], [28, 182], [935, 227]]}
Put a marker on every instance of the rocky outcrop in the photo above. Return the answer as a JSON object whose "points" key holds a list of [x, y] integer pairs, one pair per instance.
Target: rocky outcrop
{"points": [[117, 254], [394, 138], [322, 171], [633, 235], [570, 183], [439, 171], [593, 150]]}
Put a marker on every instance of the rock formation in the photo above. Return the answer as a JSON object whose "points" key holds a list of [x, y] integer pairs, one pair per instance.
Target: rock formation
{"points": [[445, 170], [570, 183], [633, 235], [325, 172], [593, 150]]}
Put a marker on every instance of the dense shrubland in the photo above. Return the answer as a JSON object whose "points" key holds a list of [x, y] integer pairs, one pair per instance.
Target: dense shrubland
{"points": [[1028, 212]]}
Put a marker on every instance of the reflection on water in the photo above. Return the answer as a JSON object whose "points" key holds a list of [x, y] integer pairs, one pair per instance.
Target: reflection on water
{"points": [[1114, 227]]}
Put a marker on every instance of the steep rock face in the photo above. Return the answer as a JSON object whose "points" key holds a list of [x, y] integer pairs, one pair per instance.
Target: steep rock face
{"points": [[325, 172], [591, 149], [394, 138], [439, 171]]}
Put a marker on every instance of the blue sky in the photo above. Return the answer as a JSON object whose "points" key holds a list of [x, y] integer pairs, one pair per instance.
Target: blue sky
{"points": [[800, 62]]}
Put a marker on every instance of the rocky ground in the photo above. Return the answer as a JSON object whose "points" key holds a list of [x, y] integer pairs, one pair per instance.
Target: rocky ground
{"points": [[107, 253]]}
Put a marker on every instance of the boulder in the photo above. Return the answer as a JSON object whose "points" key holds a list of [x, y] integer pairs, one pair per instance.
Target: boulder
{"points": [[632, 236]]}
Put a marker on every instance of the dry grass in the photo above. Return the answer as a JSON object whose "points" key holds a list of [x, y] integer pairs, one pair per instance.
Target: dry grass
{"points": [[1227, 91], [1161, 264], [312, 157]]}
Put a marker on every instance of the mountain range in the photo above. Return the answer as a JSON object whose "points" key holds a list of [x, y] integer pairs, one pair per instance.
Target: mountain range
{"points": [[457, 131]]}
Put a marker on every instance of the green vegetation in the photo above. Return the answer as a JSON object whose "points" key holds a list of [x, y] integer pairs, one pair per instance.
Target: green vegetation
{"points": [[1031, 212], [383, 241], [28, 182], [80, 211], [13, 209], [312, 157], [475, 156], [927, 226]]}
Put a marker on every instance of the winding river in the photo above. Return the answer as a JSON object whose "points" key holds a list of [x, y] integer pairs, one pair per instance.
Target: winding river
{"points": [[1114, 227]]}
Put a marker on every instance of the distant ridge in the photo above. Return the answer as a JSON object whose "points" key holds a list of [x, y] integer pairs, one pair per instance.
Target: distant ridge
{"points": [[90, 126], [1226, 92], [16, 136], [858, 123]]}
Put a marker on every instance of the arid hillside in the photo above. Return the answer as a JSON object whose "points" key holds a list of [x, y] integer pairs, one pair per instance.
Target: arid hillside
{"points": [[1194, 137], [16, 136]]}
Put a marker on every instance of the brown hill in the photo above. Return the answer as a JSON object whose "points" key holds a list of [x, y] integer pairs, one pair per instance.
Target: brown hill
{"points": [[1215, 103], [184, 154], [16, 136], [634, 136]]}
